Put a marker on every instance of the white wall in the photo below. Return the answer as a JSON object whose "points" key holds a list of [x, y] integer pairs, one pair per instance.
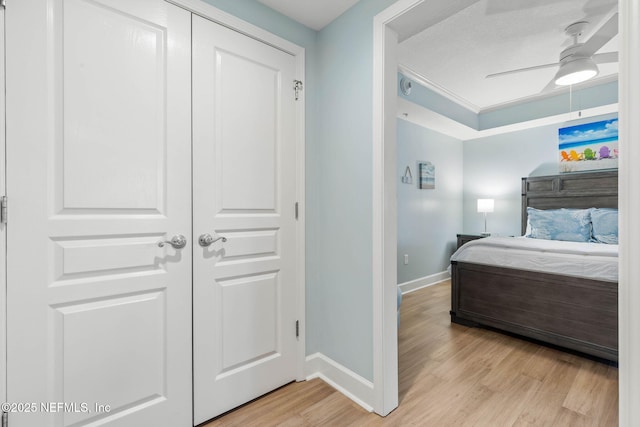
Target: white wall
{"points": [[494, 166], [428, 220]]}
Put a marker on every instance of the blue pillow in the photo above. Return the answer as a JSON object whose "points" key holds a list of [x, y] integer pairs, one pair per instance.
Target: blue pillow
{"points": [[604, 226], [571, 225]]}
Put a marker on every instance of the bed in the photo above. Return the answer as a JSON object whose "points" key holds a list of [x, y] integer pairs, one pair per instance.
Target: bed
{"points": [[576, 310]]}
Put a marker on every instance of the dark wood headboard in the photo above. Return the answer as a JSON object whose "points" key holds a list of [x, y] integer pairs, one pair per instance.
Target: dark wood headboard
{"points": [[578, 190]]}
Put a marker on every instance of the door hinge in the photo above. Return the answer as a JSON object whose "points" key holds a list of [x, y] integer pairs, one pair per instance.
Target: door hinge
{"points": [[5, 419], [3, 209], [297, 87], [297, 330], [296, 210], [3, 3]]}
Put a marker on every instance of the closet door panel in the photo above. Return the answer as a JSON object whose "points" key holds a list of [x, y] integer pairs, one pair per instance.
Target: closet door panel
{"points": [[243, 190], [99, 172]]}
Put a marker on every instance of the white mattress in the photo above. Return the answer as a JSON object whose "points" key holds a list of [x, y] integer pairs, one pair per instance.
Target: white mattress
{"points": [[591, 260]]}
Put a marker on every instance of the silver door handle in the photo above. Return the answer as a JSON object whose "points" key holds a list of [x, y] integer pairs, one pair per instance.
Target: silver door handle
{"points": [[207, 239], [178, 242]]}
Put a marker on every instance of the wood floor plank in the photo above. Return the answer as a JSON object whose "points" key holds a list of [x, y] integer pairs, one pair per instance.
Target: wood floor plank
{"points": [[582, 396], [452, 375]]}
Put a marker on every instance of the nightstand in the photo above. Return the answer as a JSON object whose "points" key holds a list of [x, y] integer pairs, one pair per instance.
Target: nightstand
{"points": [[464, 238]]}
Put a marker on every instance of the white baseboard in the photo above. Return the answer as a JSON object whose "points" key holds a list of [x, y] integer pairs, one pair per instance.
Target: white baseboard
{"points": [[423, 282], [342, 379]]}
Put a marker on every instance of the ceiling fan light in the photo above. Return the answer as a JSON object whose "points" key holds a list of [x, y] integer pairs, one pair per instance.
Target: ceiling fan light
{"points": [[577, 71]]}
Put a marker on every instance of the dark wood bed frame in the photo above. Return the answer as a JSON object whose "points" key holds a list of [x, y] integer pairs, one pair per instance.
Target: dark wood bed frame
{"points": [[570, 312]]}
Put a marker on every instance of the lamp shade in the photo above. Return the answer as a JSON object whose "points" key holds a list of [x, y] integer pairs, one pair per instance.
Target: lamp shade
{"points": [[485, 205], [576, 71]]}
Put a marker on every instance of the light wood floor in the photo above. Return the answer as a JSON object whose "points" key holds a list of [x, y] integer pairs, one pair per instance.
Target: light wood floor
{"points": [[451, 375]]}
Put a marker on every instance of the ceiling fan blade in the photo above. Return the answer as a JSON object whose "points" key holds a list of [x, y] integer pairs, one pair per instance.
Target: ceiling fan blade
{"points": [[603, 58], [519, 70], [606, 32]]}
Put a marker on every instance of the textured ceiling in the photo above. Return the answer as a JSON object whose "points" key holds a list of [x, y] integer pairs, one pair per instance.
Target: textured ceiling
{"points": [[467, 40], [454, 44], [315, 14]]}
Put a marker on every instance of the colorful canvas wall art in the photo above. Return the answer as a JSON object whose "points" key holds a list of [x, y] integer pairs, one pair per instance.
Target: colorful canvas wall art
{"points": [[427, 176], [589, 146]]}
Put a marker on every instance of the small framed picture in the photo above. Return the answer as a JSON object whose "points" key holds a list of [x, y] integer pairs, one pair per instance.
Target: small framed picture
{"points": [[427, 176]]}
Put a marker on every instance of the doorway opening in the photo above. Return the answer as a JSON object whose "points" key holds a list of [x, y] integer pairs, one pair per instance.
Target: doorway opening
{"points": [[385, 210]]}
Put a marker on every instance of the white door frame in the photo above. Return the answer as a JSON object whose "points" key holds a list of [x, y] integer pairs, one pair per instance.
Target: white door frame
{"points": [[385, 223], [3, 229], [629, 175], [227, 20], [385, 210]]}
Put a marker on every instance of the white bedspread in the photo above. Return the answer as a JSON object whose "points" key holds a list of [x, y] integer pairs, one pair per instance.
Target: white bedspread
{"points": [[591, 260]]}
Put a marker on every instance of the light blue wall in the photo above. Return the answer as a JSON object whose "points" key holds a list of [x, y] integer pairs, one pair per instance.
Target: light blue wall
{"points": [[340, 290], [264, 17], [494, 166], [428, 220], [603, 94]]}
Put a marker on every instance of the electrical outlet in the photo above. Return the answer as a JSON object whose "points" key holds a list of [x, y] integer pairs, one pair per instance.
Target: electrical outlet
{"points": [[406, 259]]}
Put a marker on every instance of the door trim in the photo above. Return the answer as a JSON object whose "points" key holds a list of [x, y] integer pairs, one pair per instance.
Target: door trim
{"points": [[3, 227], [629, 297], [232, 22], [385, 239]]}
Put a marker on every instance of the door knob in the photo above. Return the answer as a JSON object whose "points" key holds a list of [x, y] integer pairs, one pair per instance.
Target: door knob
{"points": [[178, 242], [207, 239]]}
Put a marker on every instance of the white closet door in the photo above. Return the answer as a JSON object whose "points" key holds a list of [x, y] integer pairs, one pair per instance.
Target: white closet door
{"points": [[98, 140], [243, 190]]}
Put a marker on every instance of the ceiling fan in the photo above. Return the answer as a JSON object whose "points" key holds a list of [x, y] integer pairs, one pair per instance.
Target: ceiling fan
{"points": [[578, 62]]}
